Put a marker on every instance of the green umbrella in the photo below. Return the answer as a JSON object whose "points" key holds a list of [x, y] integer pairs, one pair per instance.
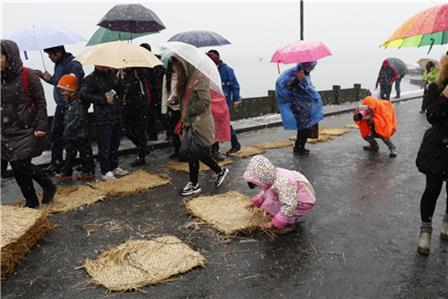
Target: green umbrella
{"points": [[103, 35]]}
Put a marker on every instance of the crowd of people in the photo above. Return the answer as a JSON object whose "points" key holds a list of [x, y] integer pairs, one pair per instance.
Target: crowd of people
{"points": [[196, 119]]}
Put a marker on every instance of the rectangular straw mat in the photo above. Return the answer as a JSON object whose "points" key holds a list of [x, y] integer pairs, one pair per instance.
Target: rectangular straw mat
{"points": [[137, 263], [247, 151], [352, 126], [135, 182], [321, 138], [275, 144], [183, 166], [21, 228], [226, 212], [333, 131]]}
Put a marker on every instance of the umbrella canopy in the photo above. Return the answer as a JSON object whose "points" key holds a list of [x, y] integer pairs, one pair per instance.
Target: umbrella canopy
{"points": [[300, 51], [398, 65], [131, 18], [118, 55], [39, 38], [428, 27], [103, 35], [423, 61], [200, 38], [199, 60]]}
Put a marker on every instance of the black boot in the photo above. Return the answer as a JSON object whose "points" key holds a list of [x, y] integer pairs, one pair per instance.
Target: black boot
{"points": [[48, 193], [31, 201], [138, 161]]}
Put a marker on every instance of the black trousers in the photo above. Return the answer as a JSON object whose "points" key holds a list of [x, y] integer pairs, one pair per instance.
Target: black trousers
{"points": [[173, 117], [194, 168], [385, 91], [428, 202], [136, 122], [24, 173], [85, 152], [302, 137]]}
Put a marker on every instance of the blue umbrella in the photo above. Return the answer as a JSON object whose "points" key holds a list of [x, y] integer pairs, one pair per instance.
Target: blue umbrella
{"points": [[200, 38]]}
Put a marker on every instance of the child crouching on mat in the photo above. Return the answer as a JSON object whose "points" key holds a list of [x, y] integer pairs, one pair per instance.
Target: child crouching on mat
{"points": [[286, 194]]}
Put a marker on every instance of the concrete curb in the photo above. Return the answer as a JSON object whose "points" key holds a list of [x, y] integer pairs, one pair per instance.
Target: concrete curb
{"points": [[167, 144]]}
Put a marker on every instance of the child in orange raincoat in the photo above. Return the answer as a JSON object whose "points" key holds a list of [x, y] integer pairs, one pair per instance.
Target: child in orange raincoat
{"points": [[376, 119]]}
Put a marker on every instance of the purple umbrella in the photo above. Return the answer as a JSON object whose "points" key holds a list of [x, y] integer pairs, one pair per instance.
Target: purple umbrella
{"points": [[200, 38], [131, 18]]}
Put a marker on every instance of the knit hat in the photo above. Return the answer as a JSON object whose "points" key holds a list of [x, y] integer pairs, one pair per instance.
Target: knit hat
{"points": [[68, 82]]}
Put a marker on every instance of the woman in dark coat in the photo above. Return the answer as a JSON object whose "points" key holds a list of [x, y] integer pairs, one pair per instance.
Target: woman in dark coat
{"points": [[24, 124], [432, 158]]}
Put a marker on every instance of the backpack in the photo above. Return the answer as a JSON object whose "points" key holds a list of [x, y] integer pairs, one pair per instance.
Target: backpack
{"points": [[25, 75]]}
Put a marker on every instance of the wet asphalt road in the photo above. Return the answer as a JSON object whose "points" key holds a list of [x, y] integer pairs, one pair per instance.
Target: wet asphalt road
{"points": [[358, 242]]}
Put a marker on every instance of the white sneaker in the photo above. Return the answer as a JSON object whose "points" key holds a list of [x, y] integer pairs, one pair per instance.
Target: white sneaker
{"points": [[221, 177], [190, 189], [118, 172], [109, 176]]}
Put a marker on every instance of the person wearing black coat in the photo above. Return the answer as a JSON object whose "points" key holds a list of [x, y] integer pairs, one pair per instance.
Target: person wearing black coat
{"points": [[101, 88], [432, 158], [24, 124], [135, 113]]}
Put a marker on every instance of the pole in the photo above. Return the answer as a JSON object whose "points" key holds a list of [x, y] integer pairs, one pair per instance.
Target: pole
{"points": [[301, 20]]}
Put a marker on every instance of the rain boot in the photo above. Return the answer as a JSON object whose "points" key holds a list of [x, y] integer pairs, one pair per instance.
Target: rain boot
{"points": [[48, 192], [424, 241], [31, 200], [444, 232]]}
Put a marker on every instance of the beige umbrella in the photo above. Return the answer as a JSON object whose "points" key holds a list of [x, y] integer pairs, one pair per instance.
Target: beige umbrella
{"points": [[118, 55], [423, 61]]}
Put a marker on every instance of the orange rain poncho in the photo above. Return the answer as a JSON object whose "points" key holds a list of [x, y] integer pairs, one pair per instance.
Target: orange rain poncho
{"points": [[384, 118]]}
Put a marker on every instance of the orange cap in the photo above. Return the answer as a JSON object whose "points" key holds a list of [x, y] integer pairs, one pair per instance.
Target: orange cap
{"points": [[68, 82]]}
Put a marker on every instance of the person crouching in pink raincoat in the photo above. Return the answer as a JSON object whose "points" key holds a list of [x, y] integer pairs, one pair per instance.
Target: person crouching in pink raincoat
{"points": [[286, 194]]}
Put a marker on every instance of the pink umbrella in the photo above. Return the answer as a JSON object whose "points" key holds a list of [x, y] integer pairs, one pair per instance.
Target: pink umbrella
{"points": [[300, 51]]}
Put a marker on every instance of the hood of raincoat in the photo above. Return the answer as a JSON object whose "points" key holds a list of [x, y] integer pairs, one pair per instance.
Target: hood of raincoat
{"points": [[15, 64], [260, 172]]}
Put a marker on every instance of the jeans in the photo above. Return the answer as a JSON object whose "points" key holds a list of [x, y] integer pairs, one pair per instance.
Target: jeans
{"points": [[85, 152], [385, 91], [428, 202], [234, 139], [397, 86], [57, 131], [108, 136]]}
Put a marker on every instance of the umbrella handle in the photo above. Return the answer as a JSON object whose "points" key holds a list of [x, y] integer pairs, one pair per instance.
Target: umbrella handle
{"points": [[278, 68], [430, 47], [43, 61]]}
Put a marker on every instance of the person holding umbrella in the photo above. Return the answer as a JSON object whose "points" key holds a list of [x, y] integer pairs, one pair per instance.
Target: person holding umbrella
{"points": [[24, 124], [429, 76], [64, 64], [386, 78], [432, 157], [194, 89], [300, 104]]}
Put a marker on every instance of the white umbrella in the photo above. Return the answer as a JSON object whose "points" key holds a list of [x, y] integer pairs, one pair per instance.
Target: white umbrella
{"points": [[199, 60], [118, 55], [39, 38]]}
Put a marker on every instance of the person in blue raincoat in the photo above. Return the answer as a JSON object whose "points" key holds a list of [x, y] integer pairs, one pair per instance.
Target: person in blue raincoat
{"points": [[300, 103]]}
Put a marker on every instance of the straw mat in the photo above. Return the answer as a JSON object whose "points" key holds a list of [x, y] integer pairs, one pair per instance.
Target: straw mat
{"points": [[352, 126], [333, 131], [226, 212], [321, 138], [135, 182], [247, 151], [275, 144], [183, 166], [20, 228], [137, 263]]}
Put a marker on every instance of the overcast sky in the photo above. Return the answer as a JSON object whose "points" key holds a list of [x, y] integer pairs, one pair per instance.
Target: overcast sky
{"points": [[352, 30]]}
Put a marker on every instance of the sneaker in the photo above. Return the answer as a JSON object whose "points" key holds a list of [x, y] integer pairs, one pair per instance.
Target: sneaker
{"points": [[87, 175], [221, 177], [48, 193], [302, 152], [190, 189], [370, 148], [138, 162], [393, 153], [109, 176], [118, 172], [232, 151], [424, 243]]}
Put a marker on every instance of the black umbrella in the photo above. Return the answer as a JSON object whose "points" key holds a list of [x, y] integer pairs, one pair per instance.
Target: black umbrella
{"points": [[398, 65], [200, 38], [131, 18]]}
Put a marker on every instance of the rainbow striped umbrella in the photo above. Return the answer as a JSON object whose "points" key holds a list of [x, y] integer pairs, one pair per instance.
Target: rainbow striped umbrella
{"points": [[427, 28]]}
